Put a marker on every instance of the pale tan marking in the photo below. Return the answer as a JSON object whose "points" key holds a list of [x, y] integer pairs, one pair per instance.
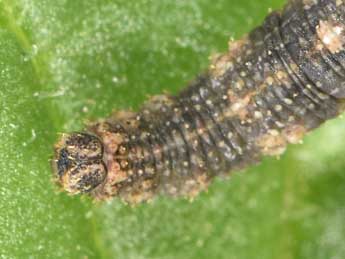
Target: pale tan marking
{"points": [[271, 143], [274, 143], [194, 186], [309, 3], [239, 106], [294, 133], [331, 35], [220, 63], [156, 102]]}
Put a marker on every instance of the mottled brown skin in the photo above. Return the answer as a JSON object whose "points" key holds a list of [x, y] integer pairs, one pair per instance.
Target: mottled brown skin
{"points": [[280, 81]]}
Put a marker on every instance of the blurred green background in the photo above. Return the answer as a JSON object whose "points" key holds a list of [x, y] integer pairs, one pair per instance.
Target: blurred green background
{"points": [[64, 62]]}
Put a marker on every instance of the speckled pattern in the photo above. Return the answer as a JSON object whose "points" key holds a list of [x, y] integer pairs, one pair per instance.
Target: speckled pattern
{"points": [[274, 85]]}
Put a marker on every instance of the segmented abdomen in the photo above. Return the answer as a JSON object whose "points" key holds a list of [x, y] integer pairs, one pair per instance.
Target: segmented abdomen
{"points": [[280, 81]]}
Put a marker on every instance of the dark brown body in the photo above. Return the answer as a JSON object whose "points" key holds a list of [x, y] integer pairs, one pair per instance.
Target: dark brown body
{"points": [[282, 80]]}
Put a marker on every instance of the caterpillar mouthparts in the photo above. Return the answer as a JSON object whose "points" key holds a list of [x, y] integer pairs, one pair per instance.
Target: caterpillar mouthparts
{"points": [[283, 79]]}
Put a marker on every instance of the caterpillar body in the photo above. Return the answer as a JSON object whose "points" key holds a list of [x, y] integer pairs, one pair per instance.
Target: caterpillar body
{"points": [[283, 79]]}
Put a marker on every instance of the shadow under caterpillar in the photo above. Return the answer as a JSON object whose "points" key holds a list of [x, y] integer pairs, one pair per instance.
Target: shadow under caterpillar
{"points": [[280, 81]]}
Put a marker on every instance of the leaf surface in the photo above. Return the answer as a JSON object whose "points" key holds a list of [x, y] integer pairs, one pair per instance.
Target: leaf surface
{"points": [[65, 62]]}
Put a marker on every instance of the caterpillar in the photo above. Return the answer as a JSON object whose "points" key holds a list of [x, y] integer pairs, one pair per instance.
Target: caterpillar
{"points": [[280, 81]]}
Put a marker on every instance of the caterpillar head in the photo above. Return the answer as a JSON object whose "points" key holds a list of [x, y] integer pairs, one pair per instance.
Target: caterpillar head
{"points": [[78, 163]]}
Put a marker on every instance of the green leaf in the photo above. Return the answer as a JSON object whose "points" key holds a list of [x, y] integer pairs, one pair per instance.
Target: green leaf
{"points": [[64, 62]]}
